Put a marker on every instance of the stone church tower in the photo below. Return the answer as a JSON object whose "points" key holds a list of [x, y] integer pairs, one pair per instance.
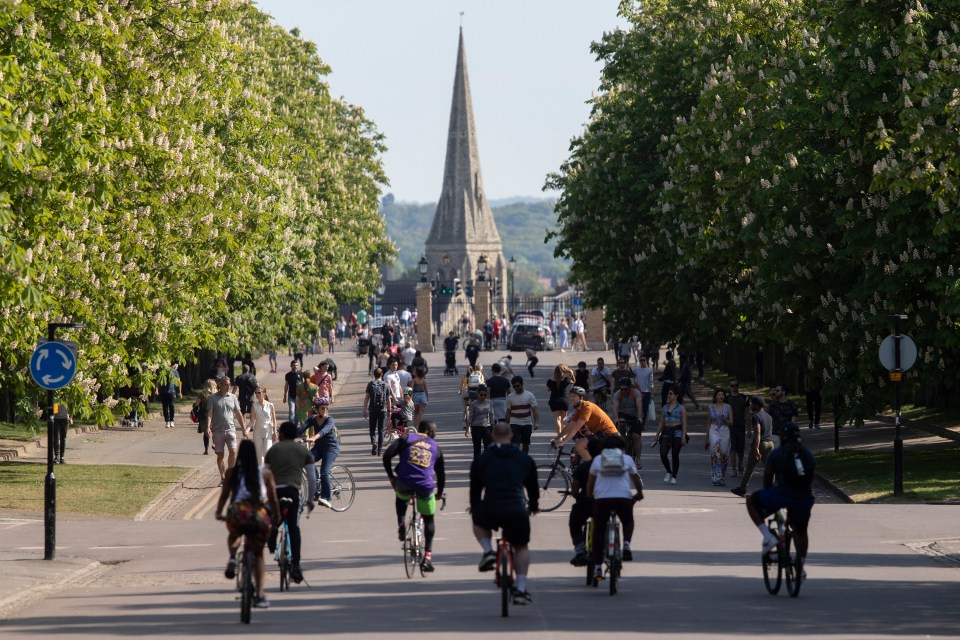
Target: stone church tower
{"points": [[463, 227]]}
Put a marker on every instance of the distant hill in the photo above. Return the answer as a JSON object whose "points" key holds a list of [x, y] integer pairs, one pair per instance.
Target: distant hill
{"points": [[522, 223]]}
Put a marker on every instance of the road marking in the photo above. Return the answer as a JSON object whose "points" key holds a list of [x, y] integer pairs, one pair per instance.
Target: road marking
{"points": [[120, 546], [199, 510], [38, 548], [181, 546]]}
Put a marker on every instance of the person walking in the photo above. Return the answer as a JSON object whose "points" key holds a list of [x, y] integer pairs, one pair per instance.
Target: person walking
{"points": [[564, 335], [324, 380], [581, 330], [668, 377], [643, 375], [522, 414], [558, 384], [762, 443], [782, 408], [377, 405], [532, 360], [479, 420], [199, 412], [685, 380], [291, 381], [223, 414], [420, 394], [264, 418], [812, 388], [498, 385], [718, 437], [169, 389], [306, 393], [244, 386], [61, 424], [672, 434], [738, 427]]}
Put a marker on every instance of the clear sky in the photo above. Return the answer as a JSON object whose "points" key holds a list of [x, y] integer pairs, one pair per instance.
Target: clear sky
{"points": [[531, 75]]}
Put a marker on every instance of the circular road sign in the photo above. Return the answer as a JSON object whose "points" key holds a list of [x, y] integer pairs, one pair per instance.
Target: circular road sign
{"points": [[908, 353], [53, 365]]}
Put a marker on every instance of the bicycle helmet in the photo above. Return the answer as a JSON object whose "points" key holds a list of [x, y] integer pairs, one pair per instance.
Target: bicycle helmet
{"points": [[408, 391], [580, 391], [321, 401], [790, 431]]}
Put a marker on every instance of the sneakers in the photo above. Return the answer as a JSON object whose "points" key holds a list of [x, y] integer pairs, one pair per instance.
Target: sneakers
{"points": [[738, 491], [231, 571], [488, 561], [627, 555], [296, 574], [521, 598], [260, 602], [667, 478], [598, 573], [673, 480], [768, 544], [323, 502], [427, 565], [401, 532], [580, 560]]}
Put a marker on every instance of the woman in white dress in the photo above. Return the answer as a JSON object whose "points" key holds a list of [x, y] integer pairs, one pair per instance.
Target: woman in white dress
{"points": [[264, 423], [718, 437]]}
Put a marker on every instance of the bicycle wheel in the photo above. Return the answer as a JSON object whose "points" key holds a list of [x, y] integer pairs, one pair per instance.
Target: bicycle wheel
{"points": [[342, 488], [588, 544], [772, 571], [283, 559], [421, 549], [506, 582], [238, 555], [613, 551], [554, 484], [246, 591], [793, 571], [410, 548]]}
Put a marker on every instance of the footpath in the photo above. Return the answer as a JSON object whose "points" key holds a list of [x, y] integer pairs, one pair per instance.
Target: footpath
{"points": [[28, 577]]}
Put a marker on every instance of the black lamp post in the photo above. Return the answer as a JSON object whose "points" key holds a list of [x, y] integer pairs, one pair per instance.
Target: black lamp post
{"points": [[510, 285], [423, 266], [482, 269]]}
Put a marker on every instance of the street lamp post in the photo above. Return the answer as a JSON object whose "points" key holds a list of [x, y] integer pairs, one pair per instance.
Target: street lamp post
{"points": [[510, 286]]}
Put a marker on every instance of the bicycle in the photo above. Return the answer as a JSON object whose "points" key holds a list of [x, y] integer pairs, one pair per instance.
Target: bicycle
{"points": [[246, 565], [588, 545], [283, 552], [554, 481], [505, 575], [781, 555], [342, 486], [413, 544], [612, 555]]}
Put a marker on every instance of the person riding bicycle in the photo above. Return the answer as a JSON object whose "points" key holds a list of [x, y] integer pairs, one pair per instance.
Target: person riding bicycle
{"points": [[326, 445], [582, 506], [628, 408], [287, 460], [584, 413], [601, 379], [611, 475], [497, 501], [420, 458], [249, 489], [787, 481]]}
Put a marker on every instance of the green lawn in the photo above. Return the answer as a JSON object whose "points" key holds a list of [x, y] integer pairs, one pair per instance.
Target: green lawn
{"points": [[929, 475], [116, 490], [20, 432]]}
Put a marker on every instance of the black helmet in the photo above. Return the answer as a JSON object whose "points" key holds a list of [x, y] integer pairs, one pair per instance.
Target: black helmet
{"points": [[790, 431]]}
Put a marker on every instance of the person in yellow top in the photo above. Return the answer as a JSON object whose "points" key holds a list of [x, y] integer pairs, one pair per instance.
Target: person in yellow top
{"points": [[584, 414]]}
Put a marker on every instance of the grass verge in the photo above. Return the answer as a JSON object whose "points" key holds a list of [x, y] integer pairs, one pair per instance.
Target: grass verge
{"points": [[867, 476], [19, 432], [115, 490]]}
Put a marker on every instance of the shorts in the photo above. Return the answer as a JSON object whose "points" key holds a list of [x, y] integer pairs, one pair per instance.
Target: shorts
{"points": [[249, 519], [227, 437], [522, 433], [499, 408], [426, 505], [632, 424], [420, 397], [559, 405], [515, 526], [798, 509]]}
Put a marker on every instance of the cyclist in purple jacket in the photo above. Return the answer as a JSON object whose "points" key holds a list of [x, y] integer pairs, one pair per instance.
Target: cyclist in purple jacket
{"points": [[419, 460]]}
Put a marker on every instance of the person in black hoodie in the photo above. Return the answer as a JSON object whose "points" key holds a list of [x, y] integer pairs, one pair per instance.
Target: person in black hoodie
{"points": [[497, 482]]}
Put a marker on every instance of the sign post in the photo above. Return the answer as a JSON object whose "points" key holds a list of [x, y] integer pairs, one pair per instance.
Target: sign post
{"points": [[52, 366], [898, 353]]}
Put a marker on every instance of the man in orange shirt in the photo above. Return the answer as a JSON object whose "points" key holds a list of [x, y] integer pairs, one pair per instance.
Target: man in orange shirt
{"points": [[585, 413]]}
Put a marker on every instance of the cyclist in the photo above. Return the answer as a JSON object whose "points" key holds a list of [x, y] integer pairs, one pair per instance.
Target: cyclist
{"points": [[326, 444], [787, 480], [584, 413], [497, 482], [249, 488], [287, 460], [420, 458], [628, 407], [600, 383], [611, 475], [582, 506]]}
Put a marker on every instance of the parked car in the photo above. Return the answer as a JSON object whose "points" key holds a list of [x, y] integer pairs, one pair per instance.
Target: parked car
{"points": [[529, 330]]}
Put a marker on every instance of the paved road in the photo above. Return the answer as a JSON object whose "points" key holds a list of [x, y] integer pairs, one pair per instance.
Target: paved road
{"points": [[873, 569]]}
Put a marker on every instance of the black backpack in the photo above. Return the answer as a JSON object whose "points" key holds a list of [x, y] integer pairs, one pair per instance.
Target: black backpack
{"points": [[797, 466], [378, 395]]}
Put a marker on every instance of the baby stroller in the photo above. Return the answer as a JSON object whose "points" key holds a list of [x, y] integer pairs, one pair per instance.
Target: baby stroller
{"points": [[450, 360]]}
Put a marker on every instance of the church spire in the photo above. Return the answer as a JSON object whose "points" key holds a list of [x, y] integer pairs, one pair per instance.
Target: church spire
{"points": [[463, 219]]}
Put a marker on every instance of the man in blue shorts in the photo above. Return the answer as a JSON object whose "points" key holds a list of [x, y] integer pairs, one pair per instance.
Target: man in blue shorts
{"points": [[787, 482], [497, 501], [420, 458]]}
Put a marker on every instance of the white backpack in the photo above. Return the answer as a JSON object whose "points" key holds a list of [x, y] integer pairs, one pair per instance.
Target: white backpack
{"points": [[612, 462]]}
